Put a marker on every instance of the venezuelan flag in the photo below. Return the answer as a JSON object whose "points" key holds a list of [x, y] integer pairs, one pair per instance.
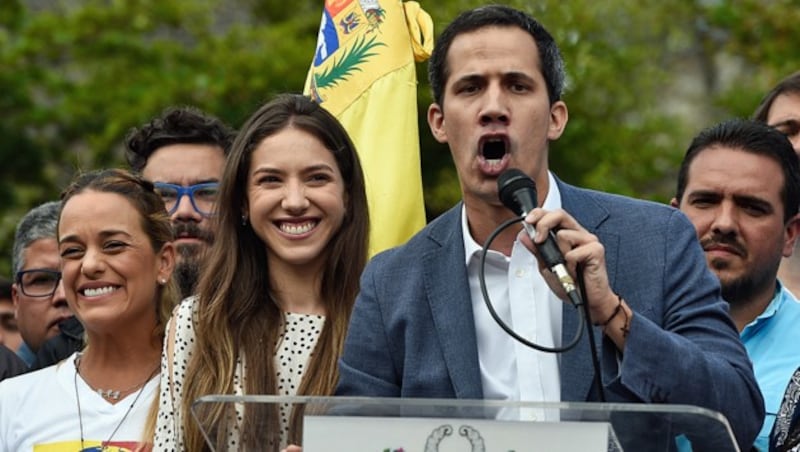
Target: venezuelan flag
{"points": [[363, 73]]}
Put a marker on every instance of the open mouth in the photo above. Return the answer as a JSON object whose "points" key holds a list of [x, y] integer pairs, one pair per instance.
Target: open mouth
{"points": [[494, 155], [493, 149]]}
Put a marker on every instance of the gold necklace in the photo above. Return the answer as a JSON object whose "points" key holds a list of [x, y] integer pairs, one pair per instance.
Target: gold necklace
{"points": [[127, 412]]}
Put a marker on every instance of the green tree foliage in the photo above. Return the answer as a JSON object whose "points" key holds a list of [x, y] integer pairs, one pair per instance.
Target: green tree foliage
{"points": [[643, 78], [76, 76]]}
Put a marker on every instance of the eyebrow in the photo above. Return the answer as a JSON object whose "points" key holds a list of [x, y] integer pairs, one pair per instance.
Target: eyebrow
{"points": [[753, 201], [512, 75], [103, 234], [702, 194], [469, 78], [308, 169], [518, 76], [738, 199], [786, 122], [193, 182]]}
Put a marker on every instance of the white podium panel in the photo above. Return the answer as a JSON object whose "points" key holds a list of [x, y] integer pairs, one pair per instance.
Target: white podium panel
{"points": [[349, 433], [363, 424]]}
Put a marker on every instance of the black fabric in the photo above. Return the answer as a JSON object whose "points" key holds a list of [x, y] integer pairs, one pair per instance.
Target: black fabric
{"points": [[785, 435], [10, 364], [59, 347]]}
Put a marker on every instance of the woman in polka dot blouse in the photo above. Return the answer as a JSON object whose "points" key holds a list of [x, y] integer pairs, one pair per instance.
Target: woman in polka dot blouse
{"points": [[274, 302]]}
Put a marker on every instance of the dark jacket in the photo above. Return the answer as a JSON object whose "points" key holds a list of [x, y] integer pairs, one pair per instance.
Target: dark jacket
{"points": [[67, 342], [10, 364]]}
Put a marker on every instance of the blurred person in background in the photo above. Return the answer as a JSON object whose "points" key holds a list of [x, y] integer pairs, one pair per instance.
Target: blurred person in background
{"points": [[739, 184], [10, 339], [37, 291], [780, 109], [183, 152], [9, 331]]}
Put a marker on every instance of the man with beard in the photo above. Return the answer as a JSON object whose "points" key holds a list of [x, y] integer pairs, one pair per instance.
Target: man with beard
{"points": [[739, 184], [183, 153]]}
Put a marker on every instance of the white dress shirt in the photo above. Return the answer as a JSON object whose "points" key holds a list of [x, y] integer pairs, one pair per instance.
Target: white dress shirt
{"points": [[509, 369]]}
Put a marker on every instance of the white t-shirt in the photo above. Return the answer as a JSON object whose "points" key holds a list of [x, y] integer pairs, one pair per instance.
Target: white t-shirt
{"points": [[39, 411]]}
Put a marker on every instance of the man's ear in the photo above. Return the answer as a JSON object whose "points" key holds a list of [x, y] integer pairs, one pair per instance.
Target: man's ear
{"points": [[559, 115], [674, 203], [436, 123], [15, 296], [792, 230]]}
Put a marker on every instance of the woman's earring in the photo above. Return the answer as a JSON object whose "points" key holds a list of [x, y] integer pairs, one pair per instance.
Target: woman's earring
{"points": [[163, 281], [244, 220]]}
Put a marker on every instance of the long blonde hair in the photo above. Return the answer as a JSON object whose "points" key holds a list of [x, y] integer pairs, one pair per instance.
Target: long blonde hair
{"points": [[235, 316]]}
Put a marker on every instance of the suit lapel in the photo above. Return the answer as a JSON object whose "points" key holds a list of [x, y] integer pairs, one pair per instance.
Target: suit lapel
{"points": [[577, 372], [451, 306]]}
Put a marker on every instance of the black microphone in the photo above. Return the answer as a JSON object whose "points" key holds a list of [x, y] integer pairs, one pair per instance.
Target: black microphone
{"points": [[517, 192]]}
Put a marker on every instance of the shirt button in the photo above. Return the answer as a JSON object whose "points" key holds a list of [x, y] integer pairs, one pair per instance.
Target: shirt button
{"points": [[520, 273]]}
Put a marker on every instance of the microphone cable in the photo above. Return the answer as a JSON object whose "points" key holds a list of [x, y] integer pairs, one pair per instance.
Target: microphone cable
{"points": [[598, 381], [576, 300]]}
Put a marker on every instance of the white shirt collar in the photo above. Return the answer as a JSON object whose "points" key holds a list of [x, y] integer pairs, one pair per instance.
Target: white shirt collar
{"points": [[472, 248]]}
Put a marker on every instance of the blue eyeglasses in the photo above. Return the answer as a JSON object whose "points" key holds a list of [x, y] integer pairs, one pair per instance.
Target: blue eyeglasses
{"points": [[203, 196]]}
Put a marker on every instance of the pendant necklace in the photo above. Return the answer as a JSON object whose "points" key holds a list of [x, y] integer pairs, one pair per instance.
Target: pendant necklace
{"points": [[111, 394]]}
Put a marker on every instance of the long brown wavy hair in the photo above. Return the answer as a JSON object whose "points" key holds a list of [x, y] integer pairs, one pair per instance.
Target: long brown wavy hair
{"points": [[235, 315]]}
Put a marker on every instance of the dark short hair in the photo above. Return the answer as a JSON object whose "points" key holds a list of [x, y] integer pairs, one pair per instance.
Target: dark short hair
{"points": [[176, 125], [756, 138], [790, 84], [552, 65]]}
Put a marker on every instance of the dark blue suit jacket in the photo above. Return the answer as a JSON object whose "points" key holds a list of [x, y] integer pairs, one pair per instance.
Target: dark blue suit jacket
{"points": [[412, 332]]}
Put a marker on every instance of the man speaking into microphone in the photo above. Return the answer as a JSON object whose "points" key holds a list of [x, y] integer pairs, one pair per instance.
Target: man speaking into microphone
{"points": [[420, 327]]}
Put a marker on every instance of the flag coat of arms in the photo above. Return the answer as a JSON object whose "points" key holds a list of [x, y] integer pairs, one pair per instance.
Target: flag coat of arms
{"points": [[363, 72]]}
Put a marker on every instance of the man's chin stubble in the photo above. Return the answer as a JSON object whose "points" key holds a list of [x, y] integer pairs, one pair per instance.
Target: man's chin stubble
{"points": [[187, 270], [189, 251]]}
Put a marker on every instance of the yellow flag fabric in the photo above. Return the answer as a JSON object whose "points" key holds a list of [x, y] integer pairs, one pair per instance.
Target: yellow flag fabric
{"points": [[363, 73]]}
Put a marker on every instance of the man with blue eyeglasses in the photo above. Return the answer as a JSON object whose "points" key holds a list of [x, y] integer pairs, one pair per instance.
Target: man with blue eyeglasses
{"points": [[183, 153]]}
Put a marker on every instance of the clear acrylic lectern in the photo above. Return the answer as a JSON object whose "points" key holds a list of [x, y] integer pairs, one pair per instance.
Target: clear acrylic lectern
{"points": [[355, 424]]}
